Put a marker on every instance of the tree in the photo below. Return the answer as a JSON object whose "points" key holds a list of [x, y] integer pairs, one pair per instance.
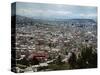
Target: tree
{"points": [[87, 58], [59, 60], [72, 60]]}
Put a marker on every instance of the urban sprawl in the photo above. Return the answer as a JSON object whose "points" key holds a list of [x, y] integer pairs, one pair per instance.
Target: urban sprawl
{"points": [[58, 44]]}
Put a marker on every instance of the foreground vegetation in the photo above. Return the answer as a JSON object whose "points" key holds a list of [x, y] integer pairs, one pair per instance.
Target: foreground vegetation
{"points": [[86, 59]]}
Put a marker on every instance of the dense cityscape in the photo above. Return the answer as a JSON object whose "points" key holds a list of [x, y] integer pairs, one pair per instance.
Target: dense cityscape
{"points": [[46, 45], [50, 37]]}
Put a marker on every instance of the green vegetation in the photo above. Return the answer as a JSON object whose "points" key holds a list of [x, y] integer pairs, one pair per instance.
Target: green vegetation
{"points": [[87, 58], [72, 61], [23, 63], [21, 66], [63, 66]]}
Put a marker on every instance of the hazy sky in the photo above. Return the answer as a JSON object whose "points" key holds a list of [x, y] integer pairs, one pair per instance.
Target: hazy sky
{"points": [[58, 11]]}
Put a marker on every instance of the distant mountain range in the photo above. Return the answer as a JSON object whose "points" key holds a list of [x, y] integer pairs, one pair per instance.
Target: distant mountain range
{"points": [[27, 20]]}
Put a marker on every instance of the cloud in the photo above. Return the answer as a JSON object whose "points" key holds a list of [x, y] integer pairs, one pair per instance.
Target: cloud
{"points": [[46, 13], [55, 11], [89, 15], [23, 12]]}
